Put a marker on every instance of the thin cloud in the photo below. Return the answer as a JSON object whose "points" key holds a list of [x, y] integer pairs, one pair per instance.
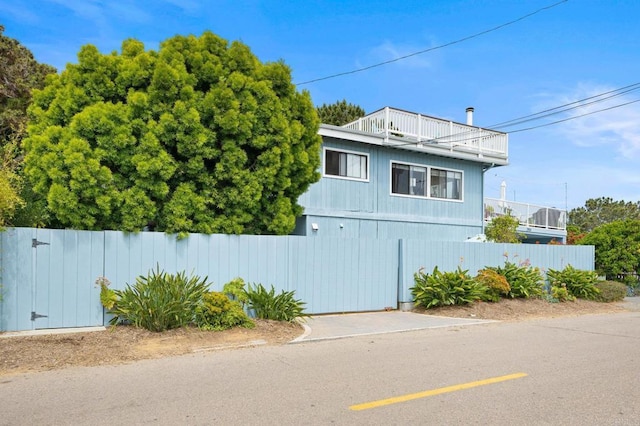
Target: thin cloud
{"points": [[19, 12], [188, 6], [100, 11], [389, 51], [618, 128]]}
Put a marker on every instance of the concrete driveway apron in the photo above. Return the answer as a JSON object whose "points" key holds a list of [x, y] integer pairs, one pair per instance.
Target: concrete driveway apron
{"points": [[324, 327]]}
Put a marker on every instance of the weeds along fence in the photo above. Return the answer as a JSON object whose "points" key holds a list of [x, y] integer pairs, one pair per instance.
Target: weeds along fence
{"points": [[48, 276]]}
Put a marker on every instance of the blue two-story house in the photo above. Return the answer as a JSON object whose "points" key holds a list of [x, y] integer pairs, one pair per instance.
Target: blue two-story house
{"points": [[396, 174]]}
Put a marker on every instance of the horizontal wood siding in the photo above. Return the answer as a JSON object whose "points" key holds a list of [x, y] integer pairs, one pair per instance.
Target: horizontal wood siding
{"points": [[448, 255]]}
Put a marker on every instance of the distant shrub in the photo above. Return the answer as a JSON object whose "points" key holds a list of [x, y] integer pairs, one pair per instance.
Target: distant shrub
{"points": [[610, 291], [497, 285], [524, 280], [268, 305], [446, 288], [218, 312], [633, 285], [579, 283], [160, 301]]}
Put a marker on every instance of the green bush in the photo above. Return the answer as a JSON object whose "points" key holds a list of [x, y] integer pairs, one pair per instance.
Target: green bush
{"points": [[160, 301], [579, 283], [561, 294], [218, 312], [446, 288], [524, 280], [268, 305], [234, 289], [610, 291], [497, 285]]}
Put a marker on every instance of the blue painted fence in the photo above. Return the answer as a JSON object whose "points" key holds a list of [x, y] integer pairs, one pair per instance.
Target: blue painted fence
{"points": [[48, 276]]}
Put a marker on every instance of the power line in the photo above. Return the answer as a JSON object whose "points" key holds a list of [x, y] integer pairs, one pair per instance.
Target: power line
{"points": [[436, 47], [467, 135], [574, 117], [601, 97]]}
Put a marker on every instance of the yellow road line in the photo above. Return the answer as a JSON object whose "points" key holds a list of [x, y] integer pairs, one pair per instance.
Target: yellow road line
{"points": [[433, 392]]}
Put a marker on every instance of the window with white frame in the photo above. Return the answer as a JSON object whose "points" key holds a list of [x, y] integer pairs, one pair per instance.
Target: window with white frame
{"points": [[411, 179], [345, 164], [408, 180], [446, 184]]}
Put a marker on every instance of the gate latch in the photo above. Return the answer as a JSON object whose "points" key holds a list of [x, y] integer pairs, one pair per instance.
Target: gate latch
{"points": [[35, 316], [35, 243]]}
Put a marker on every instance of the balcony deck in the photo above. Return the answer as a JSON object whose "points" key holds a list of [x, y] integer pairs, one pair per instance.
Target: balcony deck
{"points": [[536, 222], [402, 128]]}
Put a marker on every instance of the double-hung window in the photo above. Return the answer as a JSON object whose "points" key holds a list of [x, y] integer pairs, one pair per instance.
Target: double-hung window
{"points": [[345, 164], [423, 181]]}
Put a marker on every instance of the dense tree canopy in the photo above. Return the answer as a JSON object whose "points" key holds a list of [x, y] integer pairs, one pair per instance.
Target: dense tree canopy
{"points": [[20, 73], [598, 211], [339, 113], [199, 136], [617, 246]]}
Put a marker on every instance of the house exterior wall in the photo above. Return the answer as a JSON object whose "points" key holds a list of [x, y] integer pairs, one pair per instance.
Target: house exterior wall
{"points": [[369, 209]]}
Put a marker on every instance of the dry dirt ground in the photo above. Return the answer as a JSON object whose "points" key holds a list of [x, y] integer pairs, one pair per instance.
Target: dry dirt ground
{"points": [[124, 344]]}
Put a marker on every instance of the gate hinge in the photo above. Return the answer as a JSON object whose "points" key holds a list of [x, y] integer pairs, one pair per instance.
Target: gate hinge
{"points": [[35, 243], [35, 316]]}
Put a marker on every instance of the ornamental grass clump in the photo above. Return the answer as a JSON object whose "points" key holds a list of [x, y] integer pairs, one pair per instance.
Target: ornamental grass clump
{"points": [[160, 301], [446, 288], [269, 305]]}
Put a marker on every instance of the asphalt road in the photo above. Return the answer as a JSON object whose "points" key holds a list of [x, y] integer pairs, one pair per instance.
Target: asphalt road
{"points": [[571, 371]]}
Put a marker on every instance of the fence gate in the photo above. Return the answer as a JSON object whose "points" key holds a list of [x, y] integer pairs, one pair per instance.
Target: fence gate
{"points": [[65, 265]]}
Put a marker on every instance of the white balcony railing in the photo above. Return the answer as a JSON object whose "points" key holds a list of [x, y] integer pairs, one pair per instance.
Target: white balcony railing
{"points": [[529, 215], [428, 130]]}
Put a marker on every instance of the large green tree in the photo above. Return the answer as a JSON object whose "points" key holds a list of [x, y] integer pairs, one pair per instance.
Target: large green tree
{"points": [[598, 211], [339, 113], [20, 73], [199, 136], [617, 247]]}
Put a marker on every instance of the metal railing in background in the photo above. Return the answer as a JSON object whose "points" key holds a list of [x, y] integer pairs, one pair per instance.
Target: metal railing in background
{"points": [[530, 215]]}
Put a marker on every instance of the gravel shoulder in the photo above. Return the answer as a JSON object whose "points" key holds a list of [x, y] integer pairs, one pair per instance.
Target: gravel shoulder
{"points": [[125, 344]]}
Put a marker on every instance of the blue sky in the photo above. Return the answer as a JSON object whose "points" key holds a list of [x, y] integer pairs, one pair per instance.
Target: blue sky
{"points": [[573, 50]]}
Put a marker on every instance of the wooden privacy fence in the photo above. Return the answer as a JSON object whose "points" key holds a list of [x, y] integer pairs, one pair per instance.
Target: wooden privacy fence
{"points": [[48, 276]]}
